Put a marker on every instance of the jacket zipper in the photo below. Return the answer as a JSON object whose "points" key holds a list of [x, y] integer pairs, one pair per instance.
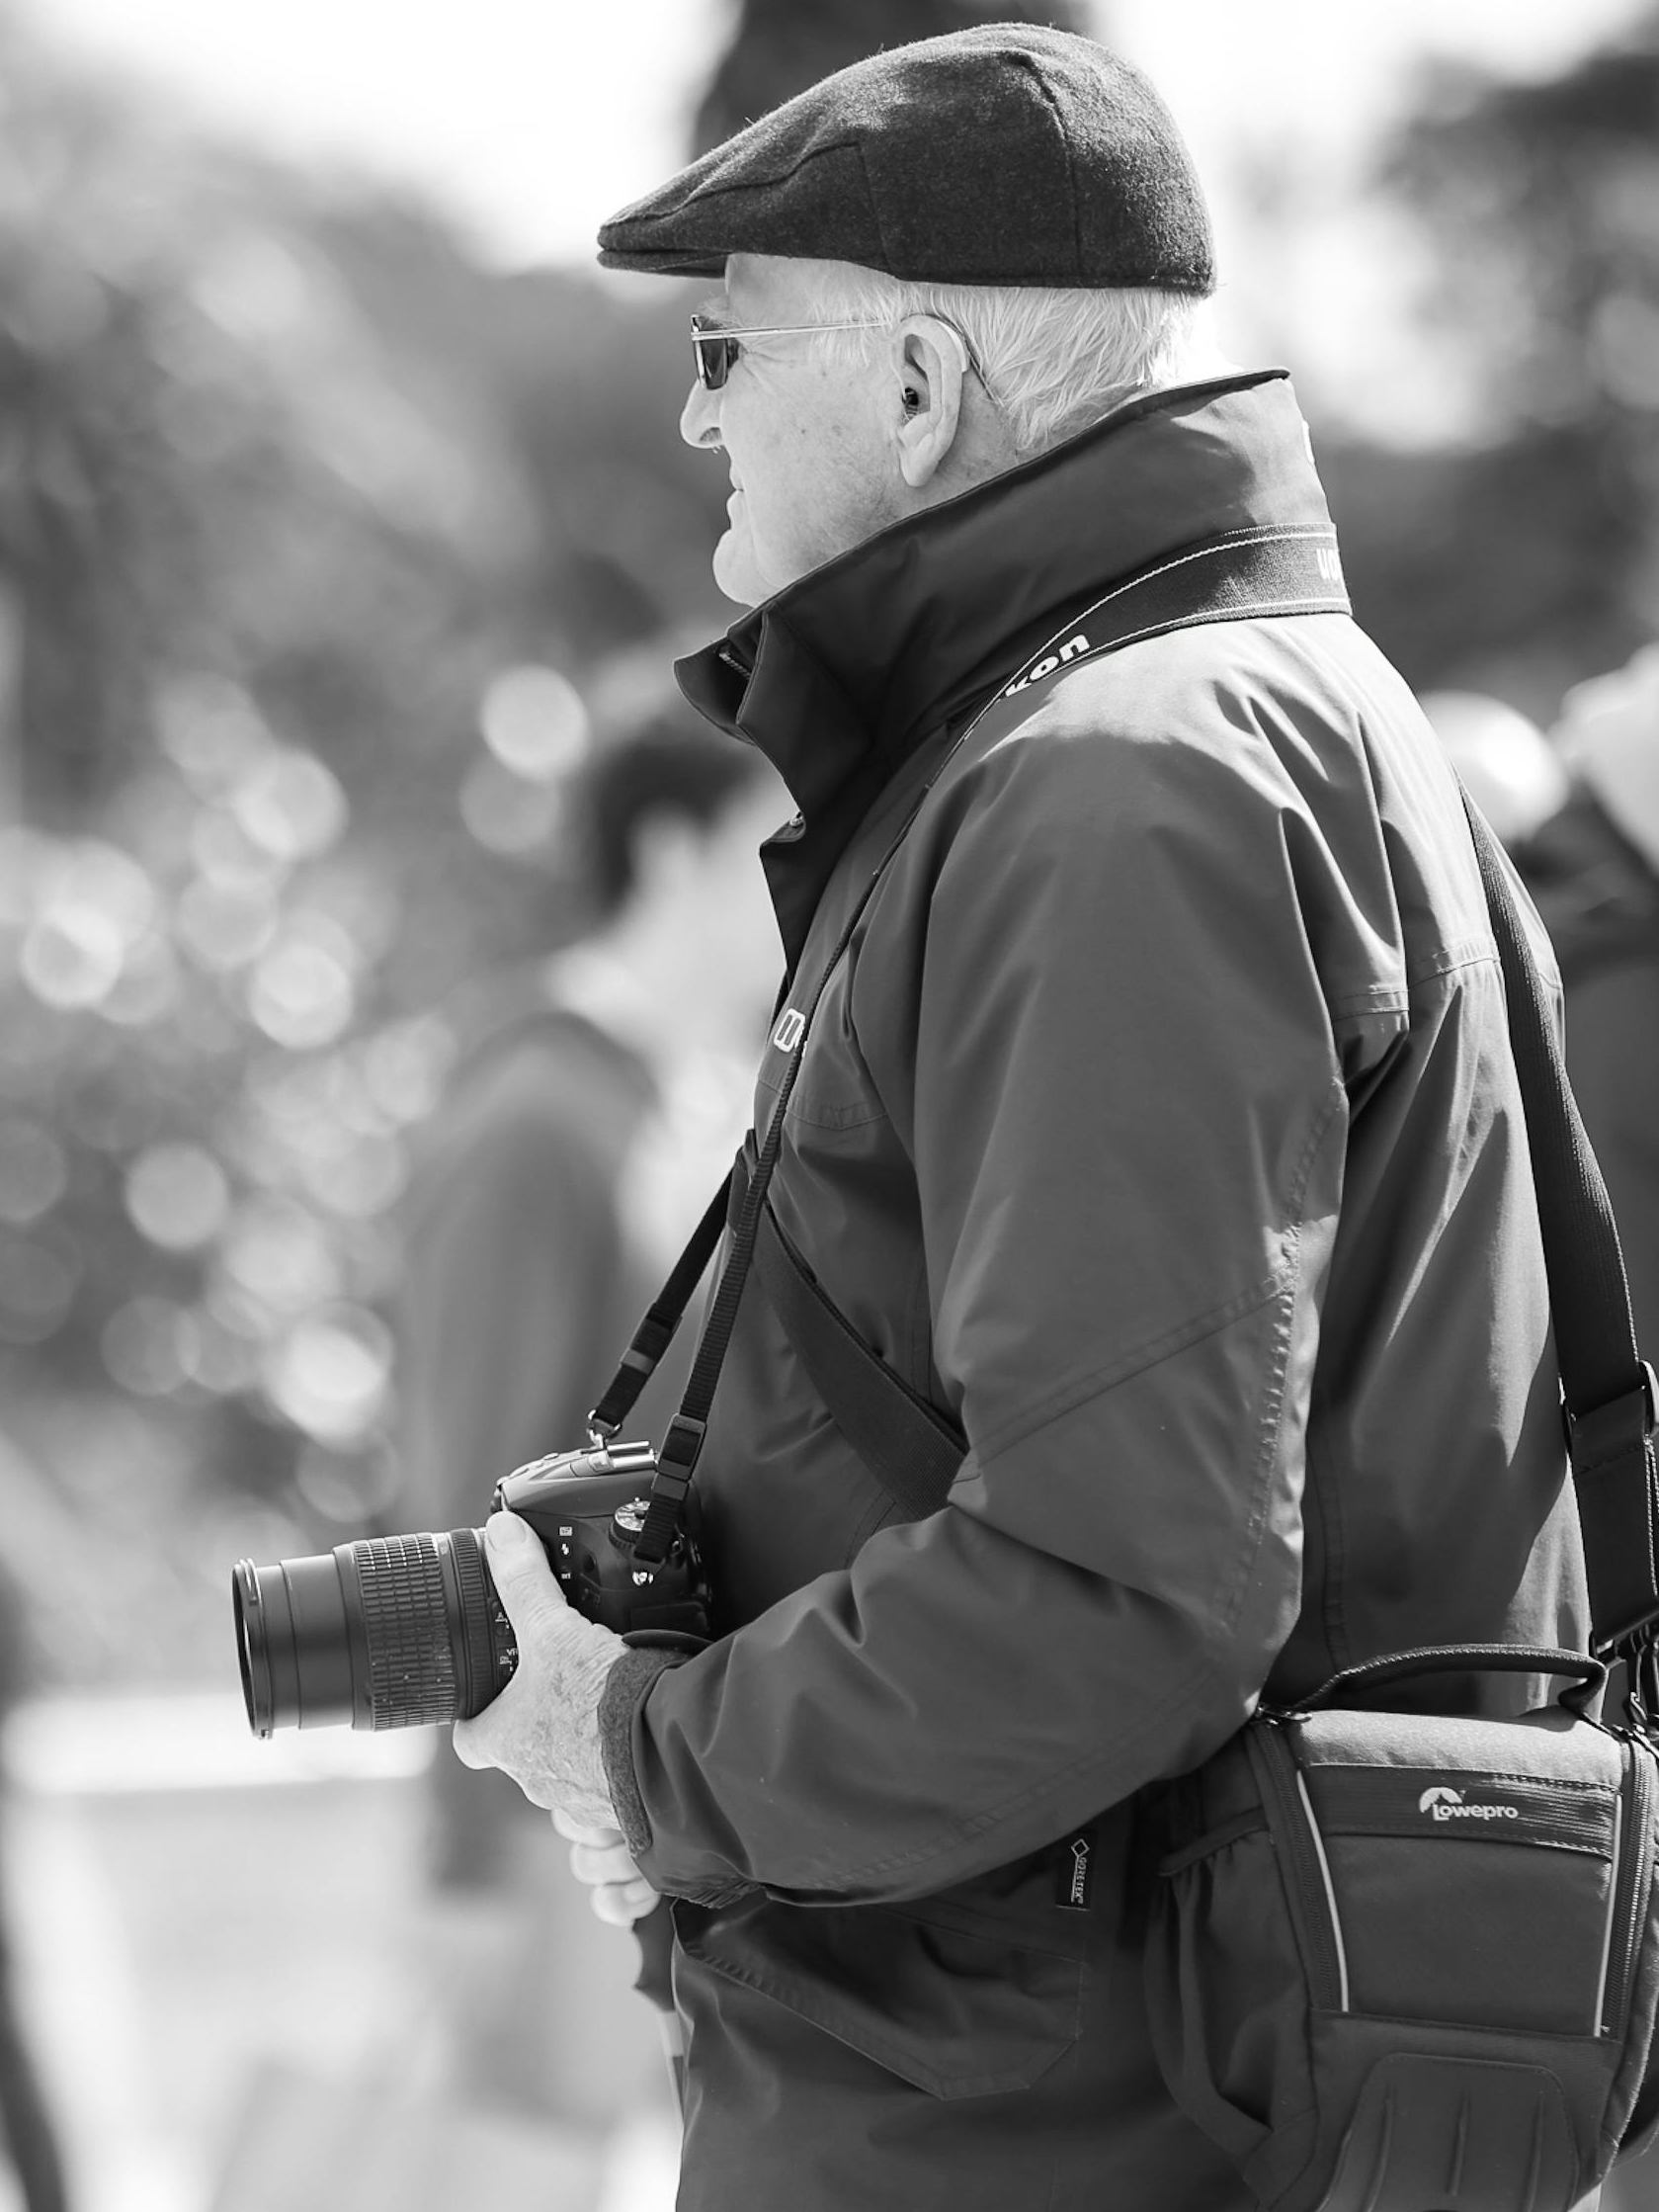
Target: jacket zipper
{"points": [[1306, 1870]]}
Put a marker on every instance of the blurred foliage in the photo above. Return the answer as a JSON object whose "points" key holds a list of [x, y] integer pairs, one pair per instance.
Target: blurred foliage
{"points": [[778, 47], [324, 553], [321, 554], [1529, 557]]}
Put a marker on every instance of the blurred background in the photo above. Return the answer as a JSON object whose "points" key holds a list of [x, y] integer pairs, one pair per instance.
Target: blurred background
{"points": [[342, 519]]}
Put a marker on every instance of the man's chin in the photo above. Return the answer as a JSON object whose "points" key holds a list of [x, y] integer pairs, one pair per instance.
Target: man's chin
{"points": [[735, 572]]}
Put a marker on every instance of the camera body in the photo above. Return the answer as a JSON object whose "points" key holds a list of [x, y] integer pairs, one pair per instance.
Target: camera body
{"points": [[401, 1631], [588, 1507]]}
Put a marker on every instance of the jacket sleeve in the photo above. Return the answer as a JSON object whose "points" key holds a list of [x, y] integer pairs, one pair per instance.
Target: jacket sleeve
{"points": [[1127, 1115]]}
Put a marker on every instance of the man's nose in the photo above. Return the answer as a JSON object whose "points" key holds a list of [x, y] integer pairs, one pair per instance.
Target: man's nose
{"points": [[699, 418]]}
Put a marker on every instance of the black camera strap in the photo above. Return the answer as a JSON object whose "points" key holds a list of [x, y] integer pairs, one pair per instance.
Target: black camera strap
{"points": [[913, 1450], [1236, 576]]}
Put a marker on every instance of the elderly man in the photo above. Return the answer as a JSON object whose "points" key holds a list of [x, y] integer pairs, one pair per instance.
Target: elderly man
{"points": [[1148, 1127]]}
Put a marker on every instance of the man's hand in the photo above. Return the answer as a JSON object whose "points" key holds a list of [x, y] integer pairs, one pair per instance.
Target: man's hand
{"points": [[599, 1856], [543, 1728]]}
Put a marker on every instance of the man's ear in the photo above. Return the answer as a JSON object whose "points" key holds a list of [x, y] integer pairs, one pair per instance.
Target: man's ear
{"points": [[931, 363]]}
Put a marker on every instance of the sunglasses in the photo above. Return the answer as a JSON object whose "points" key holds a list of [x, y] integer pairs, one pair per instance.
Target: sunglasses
{"points": [[716, 348]]}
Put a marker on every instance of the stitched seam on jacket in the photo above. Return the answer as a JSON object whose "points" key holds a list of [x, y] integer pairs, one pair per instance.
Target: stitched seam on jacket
{"points": [[1067, 1397], [1151, 1723], [1375, 999], [1209, 1660], [1471, 949], [1451, 960], [898, 2058], [1207, 1663], [1465, 952], [1329, 1503], [1271, 1416], [855, 1116]]}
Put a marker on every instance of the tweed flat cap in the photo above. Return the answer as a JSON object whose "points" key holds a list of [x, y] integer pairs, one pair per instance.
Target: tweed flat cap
{"points": [[1009, 154]]}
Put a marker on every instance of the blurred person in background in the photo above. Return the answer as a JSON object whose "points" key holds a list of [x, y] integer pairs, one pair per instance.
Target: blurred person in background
{"points": [[1122, 1133], [593, 1104], [1591, 861], [28, 2136], [1593, 867], [1579, 813], [1509, 767]]}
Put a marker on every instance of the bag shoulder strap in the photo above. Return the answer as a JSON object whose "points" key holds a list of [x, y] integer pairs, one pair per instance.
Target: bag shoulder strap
{"points": [[1611, 1397]]}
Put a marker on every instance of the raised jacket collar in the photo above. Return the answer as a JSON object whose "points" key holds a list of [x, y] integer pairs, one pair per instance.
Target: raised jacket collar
{"points": [[840, 676]]}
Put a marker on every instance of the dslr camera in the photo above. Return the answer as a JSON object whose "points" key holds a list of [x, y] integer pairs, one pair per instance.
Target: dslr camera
{"points": [[402, 1631]]}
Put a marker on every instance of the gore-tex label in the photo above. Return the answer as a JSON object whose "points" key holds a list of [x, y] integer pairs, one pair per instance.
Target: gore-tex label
{"points": [[1076, 1872], [1481, 1807]]}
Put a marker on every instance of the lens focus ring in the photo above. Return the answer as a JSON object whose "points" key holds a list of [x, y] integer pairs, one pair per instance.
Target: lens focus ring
{"points": [[411, 1667]]}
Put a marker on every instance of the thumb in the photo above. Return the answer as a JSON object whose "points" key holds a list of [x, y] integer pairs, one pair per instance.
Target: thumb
{"points": [[525, 1582]]}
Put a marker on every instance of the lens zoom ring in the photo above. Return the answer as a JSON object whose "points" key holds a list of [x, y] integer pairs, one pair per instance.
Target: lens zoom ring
{"points": [[411, 1668], [478, 1603]]}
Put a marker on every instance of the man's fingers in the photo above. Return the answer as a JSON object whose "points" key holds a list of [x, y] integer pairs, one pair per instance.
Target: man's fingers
{"points": [[542, 1729], [620, 1904], [468, 1749], [594, 1864], [525, 1584], [599, 1857]]}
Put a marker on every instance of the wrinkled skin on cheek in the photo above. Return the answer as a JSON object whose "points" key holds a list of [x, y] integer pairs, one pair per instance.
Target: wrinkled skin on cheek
{"points": [[806, 438]]}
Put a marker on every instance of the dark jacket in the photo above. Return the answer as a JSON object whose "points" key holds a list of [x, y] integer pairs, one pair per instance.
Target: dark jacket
{"points": [[1160, 1122]]}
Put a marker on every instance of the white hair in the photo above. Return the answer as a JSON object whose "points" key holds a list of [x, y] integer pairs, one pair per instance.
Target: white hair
{"points": [[1053, 361]]}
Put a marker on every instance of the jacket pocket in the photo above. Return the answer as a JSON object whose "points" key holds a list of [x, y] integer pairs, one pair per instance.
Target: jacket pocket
{"points": [[936, 1992]]}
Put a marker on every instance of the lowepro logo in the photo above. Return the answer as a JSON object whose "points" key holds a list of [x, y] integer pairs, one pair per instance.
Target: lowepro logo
{"points": [[1442, 1804]]}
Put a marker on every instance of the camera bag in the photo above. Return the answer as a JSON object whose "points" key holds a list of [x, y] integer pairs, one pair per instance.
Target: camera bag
{"points": [[1396, 1960], [1403, 1960], [1406, 1959]]}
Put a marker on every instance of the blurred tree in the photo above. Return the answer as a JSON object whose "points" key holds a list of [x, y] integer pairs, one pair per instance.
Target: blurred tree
{"points": [[81, 492], [309, 531], [1546, 198], [1509, 568], [587, 378], [781, 46], [1531, 557]]}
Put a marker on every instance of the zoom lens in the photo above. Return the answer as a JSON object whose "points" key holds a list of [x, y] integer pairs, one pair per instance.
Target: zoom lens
{"points": [[388, 1632]]}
